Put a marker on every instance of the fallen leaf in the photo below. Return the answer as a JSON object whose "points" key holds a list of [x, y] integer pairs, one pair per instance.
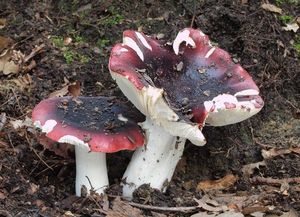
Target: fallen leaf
{"points": [[249, 168], [17, 124], [59, 93], [74, 89], [273, 152], [258, 214], [122, 209], [291, 27], [11, 62], [204, 205], [271, 8], [252, 209], [291, 213], [219, 184], [65, 150], [5, 43], [24, 82], [2, 23]]}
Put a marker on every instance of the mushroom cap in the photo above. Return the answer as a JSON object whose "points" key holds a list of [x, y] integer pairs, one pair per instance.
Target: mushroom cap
{"points": [[198, 82], [98, 124]]}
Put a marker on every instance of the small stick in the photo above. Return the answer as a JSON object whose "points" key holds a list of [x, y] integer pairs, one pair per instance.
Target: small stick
{"points": [[275, 182], [34, 52], [167, 209], [34, 151]]}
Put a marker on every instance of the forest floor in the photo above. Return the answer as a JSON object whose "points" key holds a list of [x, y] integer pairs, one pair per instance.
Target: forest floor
{"points": [[251, 168]]}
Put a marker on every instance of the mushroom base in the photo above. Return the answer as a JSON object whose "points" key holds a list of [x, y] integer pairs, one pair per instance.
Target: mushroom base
{"points": [[154, 163], [91, 171]]}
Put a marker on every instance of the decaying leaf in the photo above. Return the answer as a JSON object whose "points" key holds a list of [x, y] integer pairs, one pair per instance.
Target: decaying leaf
{"points": [[273, 152], [59, 93], [249, 168], [122, 209], [291, 213], [74, 89], [68, 89], [24, 82], [291, 27], [271, 8], [219, 184], [2, 23], [11, 62], [17, 124], [5, 43]]}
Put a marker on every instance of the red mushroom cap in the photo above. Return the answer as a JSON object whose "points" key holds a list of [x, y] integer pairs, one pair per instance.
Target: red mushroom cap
{"points": [[200, 81], [101, 124]]}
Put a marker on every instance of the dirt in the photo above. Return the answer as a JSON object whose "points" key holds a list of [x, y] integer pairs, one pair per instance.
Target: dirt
{"points": [[36, 182]]}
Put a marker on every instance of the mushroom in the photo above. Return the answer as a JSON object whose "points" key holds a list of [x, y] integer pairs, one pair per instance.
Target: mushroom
{"points": [[178, 88], [95, 126]]}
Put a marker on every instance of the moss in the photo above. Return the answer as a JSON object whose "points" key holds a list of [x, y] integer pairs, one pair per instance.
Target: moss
{"points": [[69, 56], [297, 46], [113, 19], [286, 18], [58, 41], [102, 42], [280, 2]]}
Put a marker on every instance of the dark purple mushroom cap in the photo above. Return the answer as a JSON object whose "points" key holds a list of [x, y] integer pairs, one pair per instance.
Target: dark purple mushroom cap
{"points": [[100, 124], [199, 82]]}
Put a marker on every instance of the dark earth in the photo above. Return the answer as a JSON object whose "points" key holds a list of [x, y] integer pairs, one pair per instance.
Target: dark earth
{"points": [[36, 182]]}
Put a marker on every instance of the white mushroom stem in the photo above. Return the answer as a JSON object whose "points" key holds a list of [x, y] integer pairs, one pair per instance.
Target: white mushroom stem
{"points": [[154, 163], [91, 171]]}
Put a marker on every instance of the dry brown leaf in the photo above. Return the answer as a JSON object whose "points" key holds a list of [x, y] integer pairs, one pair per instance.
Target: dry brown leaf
{"points": [[273, 152], [2, 23], [122, 209], [11, 62], [5, 43], [271, 8], [24, 82], [59, 93], [202, 204], [74, 89], [219, 184]]}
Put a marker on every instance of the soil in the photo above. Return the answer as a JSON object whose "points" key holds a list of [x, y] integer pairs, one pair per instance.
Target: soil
{"points": [[36, 182]]}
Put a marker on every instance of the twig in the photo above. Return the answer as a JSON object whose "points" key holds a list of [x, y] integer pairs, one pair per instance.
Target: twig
{"points": [[162, 208], [34, 151], [275, 182], [34, 52], [194, 14]]}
